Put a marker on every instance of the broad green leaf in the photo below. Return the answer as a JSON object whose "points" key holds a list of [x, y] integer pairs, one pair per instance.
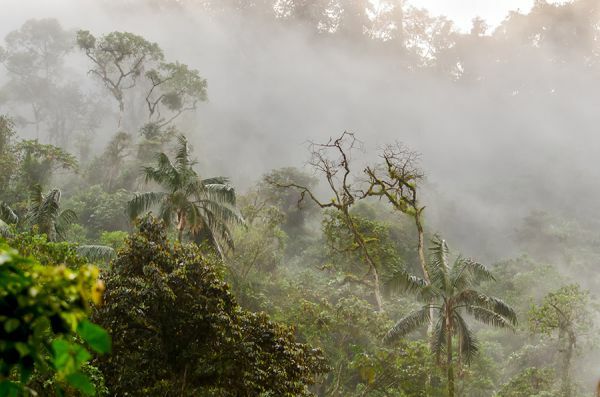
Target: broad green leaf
{"points": [[82, 383], [95, 336], [11, 324], [9, 389]]}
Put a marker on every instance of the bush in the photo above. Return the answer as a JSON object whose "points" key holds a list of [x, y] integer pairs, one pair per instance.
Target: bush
{"points": [[177, 330]]}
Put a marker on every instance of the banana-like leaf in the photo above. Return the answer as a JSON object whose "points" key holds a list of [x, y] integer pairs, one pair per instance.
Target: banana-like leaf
{"points": [[7, 214], [96, 253]]}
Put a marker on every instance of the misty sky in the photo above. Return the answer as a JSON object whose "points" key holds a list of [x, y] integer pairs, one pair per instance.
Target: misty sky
{"points": [[463, 11], [271, 89]]}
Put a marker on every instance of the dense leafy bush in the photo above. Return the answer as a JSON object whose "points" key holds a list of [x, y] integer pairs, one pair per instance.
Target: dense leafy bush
{"points": [[43, 312], [179, 332]]}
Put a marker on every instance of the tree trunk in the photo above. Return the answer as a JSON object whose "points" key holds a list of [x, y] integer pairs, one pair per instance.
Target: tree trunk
{"points": [[566, 370], [422, 261], [180, 226], [370, 262], [377, 289], [450, 369], [421, 245]]}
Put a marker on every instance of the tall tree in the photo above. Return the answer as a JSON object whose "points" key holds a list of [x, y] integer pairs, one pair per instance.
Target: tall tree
{"points": [[332, 160], [119, 59], [566, 313], [450, 295], [203, 207]]}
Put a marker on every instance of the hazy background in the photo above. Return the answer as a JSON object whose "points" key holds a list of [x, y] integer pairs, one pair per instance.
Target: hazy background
{"points": [[519, 135]]}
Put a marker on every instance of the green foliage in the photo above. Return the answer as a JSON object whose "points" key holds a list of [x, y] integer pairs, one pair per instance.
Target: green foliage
{"points": [[569, 306], [47, 253], [177, 330], [38, 162], [118, 59], [345, 252], [205, 208], [297, 212], [115, 239], [8, 155], [44, 310], [532, 382], [44, 214], [260, 244], [450, 294], [176, 87], [100, 211]]}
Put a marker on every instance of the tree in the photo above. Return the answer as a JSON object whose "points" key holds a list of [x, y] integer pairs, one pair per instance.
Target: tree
{"points": [[8, 157], [42, 92], [119, 59], [297, 213], [127, 62], [178, 331], [109, 167], [33, 55], [450, 294], [38, 162], [45, 216], [336, 170], [397, 180], [203, 207], [174, 87], [530, 382], [567, 313]]}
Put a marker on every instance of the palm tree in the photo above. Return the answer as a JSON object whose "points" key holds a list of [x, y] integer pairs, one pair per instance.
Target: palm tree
{"points": [[7, 218], [451, 295], [44, 214], [204, 207]]}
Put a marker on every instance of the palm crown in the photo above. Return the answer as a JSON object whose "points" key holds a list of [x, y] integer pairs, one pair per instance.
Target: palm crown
{"points": [[450, 295], [44, 213], [204, 207]]}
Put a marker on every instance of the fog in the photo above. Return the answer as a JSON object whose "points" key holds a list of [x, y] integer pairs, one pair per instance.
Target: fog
{"points": [[491, 153], [505, 119]]}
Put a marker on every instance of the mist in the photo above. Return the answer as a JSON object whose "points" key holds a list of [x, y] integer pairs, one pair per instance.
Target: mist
{"points": [[507, 130]]}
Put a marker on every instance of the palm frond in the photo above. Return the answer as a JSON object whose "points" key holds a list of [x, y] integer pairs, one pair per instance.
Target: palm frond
{"points": [[440, 269], [182, 154], [466, 271], [471, 297], [164, 173], [438, 339], [467, 342], [7, 214], [402, 281], [96, 253], [216, 180], [67, 217], [407, 324], [142, 202], [489, 317], [223, 212], [5, 230], [218, 192]]}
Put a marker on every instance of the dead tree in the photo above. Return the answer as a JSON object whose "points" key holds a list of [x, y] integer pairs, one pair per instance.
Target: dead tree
{"points": [[336, 170], [396, 179]]}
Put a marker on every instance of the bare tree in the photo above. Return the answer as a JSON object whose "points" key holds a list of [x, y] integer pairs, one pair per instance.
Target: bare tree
{"points": [[396, 179], [336, 170]]}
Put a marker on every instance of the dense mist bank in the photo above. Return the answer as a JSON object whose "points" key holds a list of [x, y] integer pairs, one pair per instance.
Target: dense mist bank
{"points": [[506, 123]]}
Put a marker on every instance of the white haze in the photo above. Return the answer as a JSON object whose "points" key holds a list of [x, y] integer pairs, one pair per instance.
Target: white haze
{"points": [[490, 158]]}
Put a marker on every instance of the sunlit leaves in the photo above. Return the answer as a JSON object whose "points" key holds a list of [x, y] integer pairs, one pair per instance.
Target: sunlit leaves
{"points": [[41, 307]]}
